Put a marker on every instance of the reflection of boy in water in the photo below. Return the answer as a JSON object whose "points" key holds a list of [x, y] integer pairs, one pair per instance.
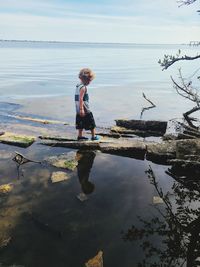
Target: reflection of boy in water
{"points": [[85, 162]]}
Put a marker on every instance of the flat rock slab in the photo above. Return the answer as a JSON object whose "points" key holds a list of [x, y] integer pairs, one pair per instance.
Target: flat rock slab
{"points": [[59, 177], [187, 147], [88, 145], [17, 140], [121, 130], [134, 148], [161, 152], [142, 133], [66, 161], [155, 126], [57, 138]]}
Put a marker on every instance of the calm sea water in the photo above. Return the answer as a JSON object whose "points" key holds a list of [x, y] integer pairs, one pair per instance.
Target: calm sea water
{"points": [[44, 224], [123, 72]]}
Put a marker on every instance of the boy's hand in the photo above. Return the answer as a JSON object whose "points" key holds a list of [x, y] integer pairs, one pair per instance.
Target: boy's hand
{"points": [[82, 112]]}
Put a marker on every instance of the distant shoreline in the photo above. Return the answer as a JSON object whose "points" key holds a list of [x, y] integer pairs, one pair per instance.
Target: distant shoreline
{"points": [[71, 42]]}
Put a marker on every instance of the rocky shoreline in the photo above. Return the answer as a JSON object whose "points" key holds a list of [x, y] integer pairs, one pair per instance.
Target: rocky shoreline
{"points": [[124, 139]]}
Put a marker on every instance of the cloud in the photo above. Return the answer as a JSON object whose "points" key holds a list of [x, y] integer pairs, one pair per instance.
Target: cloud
{"points": [[127, 21]]}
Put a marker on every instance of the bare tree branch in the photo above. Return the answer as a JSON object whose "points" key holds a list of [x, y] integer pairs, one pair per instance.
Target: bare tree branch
{"points": [[186, 2], [186, 91], [170, 60]]}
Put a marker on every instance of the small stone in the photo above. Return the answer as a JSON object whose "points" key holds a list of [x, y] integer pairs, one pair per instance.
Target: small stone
{"points": [[59, 177], [97, 261], [157, 200], [5, 188], [82, 197]]}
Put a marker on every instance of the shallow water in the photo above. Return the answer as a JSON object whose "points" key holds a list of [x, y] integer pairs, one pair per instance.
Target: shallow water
{"points": [[36, 74], [121, 192]]}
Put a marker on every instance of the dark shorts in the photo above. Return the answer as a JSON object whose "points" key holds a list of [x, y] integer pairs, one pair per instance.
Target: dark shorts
{"points": [[87, 122]]}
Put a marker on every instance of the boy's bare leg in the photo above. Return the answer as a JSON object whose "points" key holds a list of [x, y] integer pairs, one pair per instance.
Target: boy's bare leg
{"points": [[80, 132], [93, 133]]}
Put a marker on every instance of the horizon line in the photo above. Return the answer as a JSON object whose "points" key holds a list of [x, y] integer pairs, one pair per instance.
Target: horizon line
{"points": [[86, 42]]}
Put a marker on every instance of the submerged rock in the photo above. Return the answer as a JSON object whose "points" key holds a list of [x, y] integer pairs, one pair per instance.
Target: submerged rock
{"points": [[17, 140], [65, 161], [97, 261], [157, 200], [59, 177], [5, 189], [43, 121]]}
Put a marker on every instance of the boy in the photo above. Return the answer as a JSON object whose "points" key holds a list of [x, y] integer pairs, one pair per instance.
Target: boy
{"points": [[84, 117]]}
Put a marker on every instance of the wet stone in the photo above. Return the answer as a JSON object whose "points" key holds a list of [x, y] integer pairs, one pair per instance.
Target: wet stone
{"points": [[5, 189], [59, 177], [97, 261], [16, 139], [65, 161], [157, 200]]}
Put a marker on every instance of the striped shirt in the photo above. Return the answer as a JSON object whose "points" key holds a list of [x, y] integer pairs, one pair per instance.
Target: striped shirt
{"points": [[85, 99]]}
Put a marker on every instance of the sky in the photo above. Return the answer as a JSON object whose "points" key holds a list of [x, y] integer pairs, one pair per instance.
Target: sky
{"points": [[110, 21]]}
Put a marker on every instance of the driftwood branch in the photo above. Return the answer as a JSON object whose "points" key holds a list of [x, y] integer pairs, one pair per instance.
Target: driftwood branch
{"points": [[153, 105], [146, 108]]}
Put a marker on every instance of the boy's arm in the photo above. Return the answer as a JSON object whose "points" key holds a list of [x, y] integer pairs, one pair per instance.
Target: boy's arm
{"points": [[81, 103]]}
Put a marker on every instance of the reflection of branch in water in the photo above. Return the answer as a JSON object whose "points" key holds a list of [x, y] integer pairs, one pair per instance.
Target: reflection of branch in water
{"points": [[178, 229], [20, 160], [146, 108]]}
